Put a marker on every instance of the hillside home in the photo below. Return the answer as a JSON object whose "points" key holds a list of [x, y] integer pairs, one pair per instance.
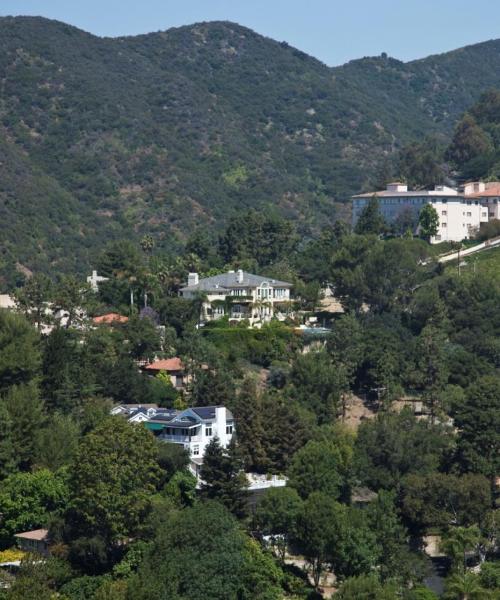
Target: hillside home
{"points": [[135, 413], [172, 367], [239, 295], [460, 213], [36, 541], [193, 428]]}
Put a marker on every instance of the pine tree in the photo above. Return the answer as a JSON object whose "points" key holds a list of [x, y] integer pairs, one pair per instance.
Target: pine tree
{"points": [[250, 434], [371, 220], [223, 477], [26, 411], [7, 451]]}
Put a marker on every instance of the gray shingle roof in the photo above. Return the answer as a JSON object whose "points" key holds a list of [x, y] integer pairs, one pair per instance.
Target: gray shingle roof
{"points": [[229, 280], [178, 418]]}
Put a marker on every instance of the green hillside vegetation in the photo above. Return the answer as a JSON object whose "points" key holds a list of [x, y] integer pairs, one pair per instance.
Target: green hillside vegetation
{"points": [[104, 138], [475, 148], [125, 518], [485, 262]]}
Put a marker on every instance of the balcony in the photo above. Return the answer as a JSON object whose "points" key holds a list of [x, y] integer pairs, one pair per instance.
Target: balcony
{"points": [[179, 439]]}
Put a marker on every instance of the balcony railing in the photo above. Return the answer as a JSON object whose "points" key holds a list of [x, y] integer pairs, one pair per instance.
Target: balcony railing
{"points": [[180, 439]]}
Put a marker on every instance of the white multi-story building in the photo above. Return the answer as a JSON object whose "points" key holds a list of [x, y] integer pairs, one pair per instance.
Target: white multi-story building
{"points": [[239, 295], [488, 195], [460, 213]]}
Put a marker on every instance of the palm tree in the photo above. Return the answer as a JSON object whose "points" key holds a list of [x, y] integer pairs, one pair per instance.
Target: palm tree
{"points": [[465, 586], [458, 542]]}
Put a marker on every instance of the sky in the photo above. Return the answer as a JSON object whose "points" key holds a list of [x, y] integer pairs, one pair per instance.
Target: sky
{"points": [[334, 31]]}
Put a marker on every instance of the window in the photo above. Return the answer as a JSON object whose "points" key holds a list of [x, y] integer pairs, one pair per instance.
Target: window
{"points": [[229, 429], [469, 214], [208, 430], [443, 224], [444, 212], [437, 237], [196, 450]]}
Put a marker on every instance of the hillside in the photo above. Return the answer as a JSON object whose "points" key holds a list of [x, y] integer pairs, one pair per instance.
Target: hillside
{"points": [[163, 132]]}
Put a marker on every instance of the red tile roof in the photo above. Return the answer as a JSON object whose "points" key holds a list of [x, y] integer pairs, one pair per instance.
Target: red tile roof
{"points": [[494, 190], [37, 534], [110, 318], [166, 364]]}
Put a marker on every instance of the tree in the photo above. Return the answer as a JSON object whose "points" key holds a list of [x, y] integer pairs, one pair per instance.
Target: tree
{"points": [[276, 515], [26, 411], [211, 387], [62, 368], [223, 478], [56, 443], [428, 222], [421, 164], [142, 337], [314, 532], [112, 480], [254, 235], [316, 384], [27, 501], [432, 365], [71, 296], [288, 427], [392, 445], [19, 350], [469, 142], [370, 220], [465, 586], [440, 500], [201, 553], [248, 412], [479, 428], [7, 450], [181, 489], [321, 466], [33, 299], [171, 458], [392, 547], [345, 346], [458, 542]]}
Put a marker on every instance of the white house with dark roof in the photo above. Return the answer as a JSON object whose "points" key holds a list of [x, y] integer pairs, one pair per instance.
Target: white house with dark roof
{"points": [[239, 295], [193, 428]]}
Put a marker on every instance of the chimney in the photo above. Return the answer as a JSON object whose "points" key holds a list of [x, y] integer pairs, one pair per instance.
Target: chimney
{"points": [[193, 279], [239, 277]]}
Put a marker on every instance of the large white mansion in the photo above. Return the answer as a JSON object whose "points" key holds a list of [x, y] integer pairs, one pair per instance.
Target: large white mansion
{"points": [[460, 212], [239, 295]]}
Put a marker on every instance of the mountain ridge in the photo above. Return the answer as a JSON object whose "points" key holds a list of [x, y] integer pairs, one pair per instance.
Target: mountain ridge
{"points": [[164, 132]]}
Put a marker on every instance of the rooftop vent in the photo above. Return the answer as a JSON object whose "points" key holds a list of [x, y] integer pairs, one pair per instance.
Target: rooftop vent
{"points": [[239, 277]]}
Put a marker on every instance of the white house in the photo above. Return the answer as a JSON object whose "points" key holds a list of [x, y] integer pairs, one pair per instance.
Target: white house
{"points": [[193, 428], [240, 295], [460, 213]]}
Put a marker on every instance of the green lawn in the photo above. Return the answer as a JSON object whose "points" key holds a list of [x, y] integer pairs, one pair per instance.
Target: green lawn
{"points": [[486, 262]]}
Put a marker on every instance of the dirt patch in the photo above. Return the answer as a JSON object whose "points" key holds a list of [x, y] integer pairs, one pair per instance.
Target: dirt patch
{"points": [[357, 410]]}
